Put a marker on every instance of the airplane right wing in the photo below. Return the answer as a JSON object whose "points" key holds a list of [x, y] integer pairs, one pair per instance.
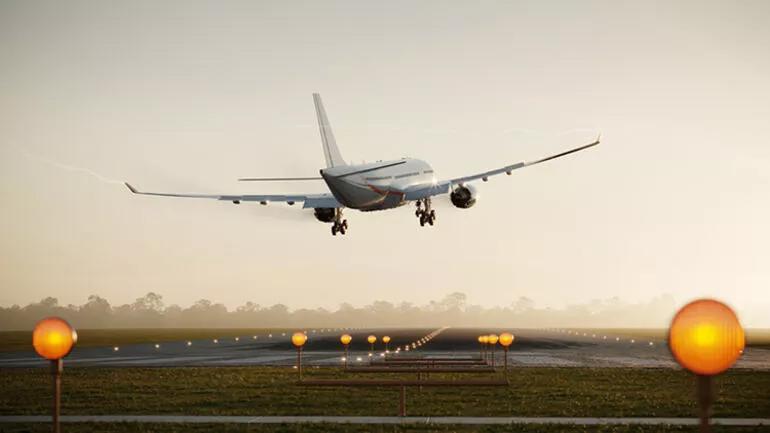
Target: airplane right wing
{"points": [[310, 201]]}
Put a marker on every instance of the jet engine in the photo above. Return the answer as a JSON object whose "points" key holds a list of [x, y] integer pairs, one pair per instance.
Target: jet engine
{"points": [[324, 214], [464, 196]]}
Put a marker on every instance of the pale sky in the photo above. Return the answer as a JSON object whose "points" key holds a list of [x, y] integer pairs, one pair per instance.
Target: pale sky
{"points": [[188, 96]]}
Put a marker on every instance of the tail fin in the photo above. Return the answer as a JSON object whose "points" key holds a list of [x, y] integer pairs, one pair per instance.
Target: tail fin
{"points": [[332, 154]]}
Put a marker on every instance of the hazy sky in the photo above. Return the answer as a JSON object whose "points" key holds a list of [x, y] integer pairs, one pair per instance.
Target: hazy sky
{"points": [[188, 96]]}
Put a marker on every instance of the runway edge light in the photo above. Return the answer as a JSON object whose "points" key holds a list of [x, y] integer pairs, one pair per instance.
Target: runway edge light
{"points": [[706, 338], [53, 339]]}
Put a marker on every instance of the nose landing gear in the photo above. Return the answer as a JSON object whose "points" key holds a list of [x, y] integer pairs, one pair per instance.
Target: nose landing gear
{"points": [[424, 212], [339, 225]]}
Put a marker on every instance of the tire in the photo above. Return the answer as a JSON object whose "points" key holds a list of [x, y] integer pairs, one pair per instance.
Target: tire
{"points": [[344, 224], [342, 230], [433, 215], [417, 213], [422, 221], [334, 230], [430, 220]]}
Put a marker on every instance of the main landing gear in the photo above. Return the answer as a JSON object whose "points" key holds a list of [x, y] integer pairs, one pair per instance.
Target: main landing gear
{"points": [[339, 225], [424, 212]]}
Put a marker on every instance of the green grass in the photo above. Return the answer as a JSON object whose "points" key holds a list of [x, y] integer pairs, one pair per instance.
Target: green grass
{"points": [[272, 391], [22, 340], [333, 428]]}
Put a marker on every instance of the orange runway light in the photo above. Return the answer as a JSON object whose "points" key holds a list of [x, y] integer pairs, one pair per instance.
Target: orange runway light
{"points": [[705, 337], [506, 338], [346, 339], [53, 338], [298, 339], [371, 339]]}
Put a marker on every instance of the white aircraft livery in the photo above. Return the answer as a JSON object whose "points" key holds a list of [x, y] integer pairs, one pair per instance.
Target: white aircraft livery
{"points": [[374, 186]]}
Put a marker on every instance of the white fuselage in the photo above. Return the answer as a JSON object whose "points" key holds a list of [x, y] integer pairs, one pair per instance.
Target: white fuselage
{"points": [[379, 185]]}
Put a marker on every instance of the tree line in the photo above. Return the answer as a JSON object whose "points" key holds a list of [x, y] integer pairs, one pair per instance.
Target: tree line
{"points": [[150, 311]]}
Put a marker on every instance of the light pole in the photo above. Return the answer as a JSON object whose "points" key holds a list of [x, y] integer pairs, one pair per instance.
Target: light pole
{"points": [[53, 339], [493, 341], [484, 340], [371, 339], [386, 340], [298, 339], [506, 339], [346, 339], [706, 338]]}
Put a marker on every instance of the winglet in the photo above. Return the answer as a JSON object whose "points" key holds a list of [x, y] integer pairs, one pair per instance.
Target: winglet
{"points": [[131, 188]]}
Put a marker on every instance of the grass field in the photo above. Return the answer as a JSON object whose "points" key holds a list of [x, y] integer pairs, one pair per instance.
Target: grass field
{"points": [[22, 340], [272, 391], [333, 428]]}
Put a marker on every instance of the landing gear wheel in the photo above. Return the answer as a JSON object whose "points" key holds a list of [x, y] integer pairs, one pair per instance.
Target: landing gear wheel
{"points": [[433, 215], [342, 230], [345, 225], [422, 220], [334, 230], [430, 220]]}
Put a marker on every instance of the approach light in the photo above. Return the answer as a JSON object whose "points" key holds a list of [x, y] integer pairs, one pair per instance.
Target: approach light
{"points": [[346, 339], [298, 339], [706, 337], [493, 339], [506, 338], [371, 339], [53, 338]]}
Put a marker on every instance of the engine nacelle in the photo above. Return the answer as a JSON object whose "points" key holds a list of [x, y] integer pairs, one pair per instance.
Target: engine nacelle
{"points": [[324, 214], [464, 196]]}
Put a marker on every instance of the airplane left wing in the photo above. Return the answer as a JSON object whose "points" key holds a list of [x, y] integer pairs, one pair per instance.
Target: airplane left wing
{"points": [[446, 186], [309, 200], [509, 168]]}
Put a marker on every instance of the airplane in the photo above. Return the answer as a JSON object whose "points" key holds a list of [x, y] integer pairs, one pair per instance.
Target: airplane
{"points": [[373, 186]]}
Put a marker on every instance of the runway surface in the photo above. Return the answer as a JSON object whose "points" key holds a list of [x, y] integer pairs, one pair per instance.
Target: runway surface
{"points": [[444, 420], [532, 348]]}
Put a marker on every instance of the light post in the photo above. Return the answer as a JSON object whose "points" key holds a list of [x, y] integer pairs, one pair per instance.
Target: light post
{"points": [[371, 339], [506, 339], [706, 338], [298, 339], [484, 340], [346, 339], [53, 339], [386, 340], [493, 341]]}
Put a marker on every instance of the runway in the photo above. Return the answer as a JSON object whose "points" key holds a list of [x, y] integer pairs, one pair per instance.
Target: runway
{"points": [[532, 348]]}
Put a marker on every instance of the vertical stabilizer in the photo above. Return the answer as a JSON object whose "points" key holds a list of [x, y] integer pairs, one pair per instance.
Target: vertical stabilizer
{"points": [[332, 154]]}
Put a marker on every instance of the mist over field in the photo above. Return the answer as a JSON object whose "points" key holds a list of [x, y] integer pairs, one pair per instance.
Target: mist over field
{"points": [[150, 311]]}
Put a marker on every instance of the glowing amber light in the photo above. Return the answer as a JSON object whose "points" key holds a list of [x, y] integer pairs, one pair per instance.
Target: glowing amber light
{"points": [[298, 339], [371, 339], [506, 338], [53, 338], [705, 337], [492, 338], [386, 339], [484, 339], [346, 339]]}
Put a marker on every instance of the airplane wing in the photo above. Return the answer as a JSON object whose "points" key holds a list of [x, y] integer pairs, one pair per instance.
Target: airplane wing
{"points": [[445, 186], [509, 168], [309, 200]]}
